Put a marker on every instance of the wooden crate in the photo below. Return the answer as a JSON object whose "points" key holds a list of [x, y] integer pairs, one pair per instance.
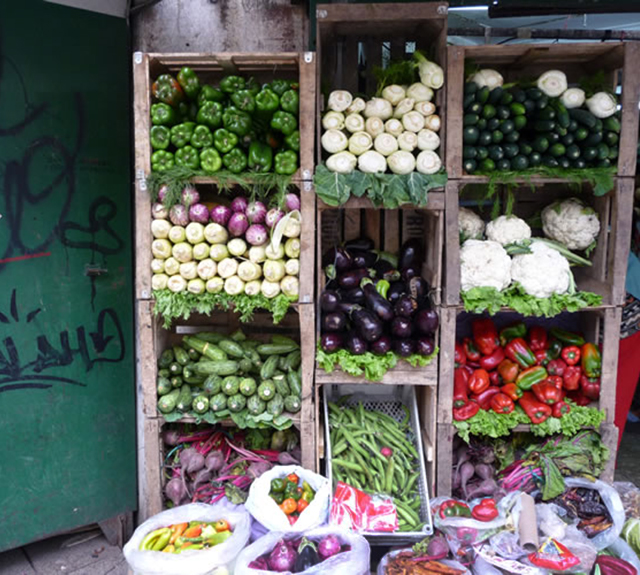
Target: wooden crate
{"points": [[607, 275], [353, 39], [526, 61]]}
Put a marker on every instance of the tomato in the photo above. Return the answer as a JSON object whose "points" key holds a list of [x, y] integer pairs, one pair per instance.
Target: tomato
{"points": [[293, 478], [221, 525], [289, 506], [302, 505]]}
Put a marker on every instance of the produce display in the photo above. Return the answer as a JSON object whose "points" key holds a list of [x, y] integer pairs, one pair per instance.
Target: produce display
{"points": [[292, 495], [241, 255], [409, 562], [213, 377], [191, 536], [531, 275], [237, 125], [375, 308], [549, 125]]}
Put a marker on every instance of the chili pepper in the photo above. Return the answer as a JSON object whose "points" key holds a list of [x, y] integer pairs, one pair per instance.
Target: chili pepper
{"points": [[293, 141], [167, 89], [508, 370], [556, 367], [486, 510], [571, 378], [512, 391], [202, 137], [210, 114], [210, 160], [163, 540], [235, 161], [491, 362], [224, 140], [546, 393], [537, 338], [466, 411], [177, 530], [191, 532], [160, 137], [484, 399], [571, 355], [277, 485], [554, 350], [555, 380], [502, 403], [162, 114], [181, 134], [578, 398], [161, 161], [189, 82], [590, 387], [210, 94], [460, 387], [218, 538], [561, 408], [267, 102], [190, 547], [591, 360], [485, 335], [479, 381], [286, 162], [382, 287], [302, 505], [517, 350], [289, 506], [284, 122], [454, 508], [236, 121], [459, 356], [232, 84], [531, 376], [293, 478], [495, 379], [308, 496], [152, 538], [535, 410], [567, 337], [244, 100], [280, 86], [290, 102], [542, 358], [260, 157], [169, 549], [188, 157], [512, 331], [470, 350]]}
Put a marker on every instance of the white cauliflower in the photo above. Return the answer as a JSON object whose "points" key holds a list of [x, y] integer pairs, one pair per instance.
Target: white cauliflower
{"points": [[484, 264], [571, 223], [507, 230], [543, 272], [470, 225]]}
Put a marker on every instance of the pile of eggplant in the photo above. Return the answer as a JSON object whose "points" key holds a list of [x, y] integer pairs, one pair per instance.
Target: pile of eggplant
{"points": [[376, 301]]}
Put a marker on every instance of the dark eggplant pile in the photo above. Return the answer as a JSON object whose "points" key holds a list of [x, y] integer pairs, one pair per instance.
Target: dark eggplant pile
{"points": [[375, 301]]}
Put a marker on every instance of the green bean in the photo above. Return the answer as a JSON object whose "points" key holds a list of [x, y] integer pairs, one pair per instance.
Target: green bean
{"points": [[347, 464], [406, 510]]}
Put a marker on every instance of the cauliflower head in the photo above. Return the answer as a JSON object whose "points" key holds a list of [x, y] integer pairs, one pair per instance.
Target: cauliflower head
{"points": [[484, 264], [543, 272], [470, 225], [507, 230], [571, 223]]}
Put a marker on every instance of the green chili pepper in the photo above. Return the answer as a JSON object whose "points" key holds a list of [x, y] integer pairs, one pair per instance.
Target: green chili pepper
{"points": [[202, 137], [162, 114], [188, 157], [280, 86], [161, 161], [189, 82], [260, 157], [160, 137], [224, 140], [382, 287], [210, 94], [567, 337], [293, 141], [210, 160], [290, 102], [218, 538], [244, 100], [554, 350], [236, 121], [181, 134], [235, 161], [284, 122], [210, 114], [286, 162], [167, 89], [267, 101], [232, 84]]}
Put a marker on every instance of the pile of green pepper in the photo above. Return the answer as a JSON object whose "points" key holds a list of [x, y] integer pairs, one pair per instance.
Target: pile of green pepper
{"points": [[238, 125]]}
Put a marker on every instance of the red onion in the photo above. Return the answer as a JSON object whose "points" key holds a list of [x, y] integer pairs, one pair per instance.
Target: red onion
{"points": [[179, 215], [220, 215], [256, 212], [328, 547], [238, 224], [274, 215], [239, 204], [159, 212], [190, 196], [199, 213], [162, 192], [257, 235], [292, 202]]}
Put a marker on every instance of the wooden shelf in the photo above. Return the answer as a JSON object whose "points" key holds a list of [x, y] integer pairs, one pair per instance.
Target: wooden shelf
{"points": [[435, 201]]}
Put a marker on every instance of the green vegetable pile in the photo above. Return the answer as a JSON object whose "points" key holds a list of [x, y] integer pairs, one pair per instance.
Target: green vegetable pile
{"points": [[212, 377]]}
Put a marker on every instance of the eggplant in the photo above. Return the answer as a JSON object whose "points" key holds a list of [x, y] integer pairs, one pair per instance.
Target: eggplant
{"points": [[418, 288], [404, 347], [352, 278], [426, 321], [368, 325], [376, 303], [337, 257], [401, 327], [382, 267], [307, 556], [330, 342], [382, 345], [405, 306], [411, 254], [362, 244], [329, 300], [392, 276], [362, 259], [348, 307], [395, 291], [334, 321], [425, 345], [355, 295], [409, 273], [356, 344]]}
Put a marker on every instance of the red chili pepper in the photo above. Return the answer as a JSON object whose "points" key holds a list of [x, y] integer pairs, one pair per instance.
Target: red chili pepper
{"points": [[561, 408], [491, 362], [466, 411], [556, 367], [495, 379], [571, 378], [571, 354], [517, 350], [590, 387], [484, 399], [578, 398], [512, 390], [460, 387], [535, 410], [470, 349], [486, 510], [591, 360], [547, 393], [460, 357], [555, 380], [542, 357], [485, 335], [538, 338], [479, 381], [502, 403], [508, 370]]}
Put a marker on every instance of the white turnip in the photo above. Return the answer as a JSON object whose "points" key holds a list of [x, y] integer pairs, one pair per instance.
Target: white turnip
{"points": [[237, 247], [160, 229], [177, 234], [195, 233]]}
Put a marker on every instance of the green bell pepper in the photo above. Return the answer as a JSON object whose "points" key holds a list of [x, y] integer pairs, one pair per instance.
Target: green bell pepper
{"points": [[161, 161], [232, 84], [224, 140], [181, 134], [267, 101], [244, 100], [277, 485], [253, 86], [210, 160], [167, 89], [202, 137], [210, 94], [210, 114], [160, 137], [278, 497], [235, 161], [162, 114], [188, 157], [260, 157], [280, 86], [290, 102], [188, 111], [284, 122], [189, 82], [236, 121], [286, 162], [218, 538], [293, 141]]}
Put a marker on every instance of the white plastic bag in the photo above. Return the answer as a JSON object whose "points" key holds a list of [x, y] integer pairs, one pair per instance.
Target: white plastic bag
{"points": [[266, 510], [620, 548], [201, 562], [353, 562], [385, 559]]}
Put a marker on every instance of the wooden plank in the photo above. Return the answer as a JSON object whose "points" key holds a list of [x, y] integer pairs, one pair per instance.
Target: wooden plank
{"points": [[627, 154], [373, 59], [351, 227], [149, 470], [455, 93], [349, 74], [402, 373], [307, 412], [307, 243], [609, 434], [452, 246], [307, 115], [445, 459], [372, 226], [620, 244], [391, 231], [448, 317], [373, 13], [610, 346], [146, 358]]}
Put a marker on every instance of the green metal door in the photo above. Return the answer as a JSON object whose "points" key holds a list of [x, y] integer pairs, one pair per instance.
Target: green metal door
{"points": [[67, 391]]}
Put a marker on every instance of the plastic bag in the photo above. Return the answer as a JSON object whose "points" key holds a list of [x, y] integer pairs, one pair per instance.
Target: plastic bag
{"points": [[630, 497], [202, 562], [449, 563], [355, 510], [266, 510], [620, 548], [353, 562]]}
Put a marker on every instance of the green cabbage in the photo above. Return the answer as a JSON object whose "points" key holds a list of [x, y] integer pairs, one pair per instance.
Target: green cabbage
{"points": [[631, 534]]}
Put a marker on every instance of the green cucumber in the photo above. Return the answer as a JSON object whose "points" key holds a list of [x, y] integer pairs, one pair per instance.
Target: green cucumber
{"points": [[212, 384], [185, 399], [540, 144], [276, 406], [475, 108], [487, 165], [550, 161], [470, 119], [568, 139], [469, 166], [248, 386], [519, 95], [547, 113], [238, 335], [512, 137], [489, 111], [175, 368], [507, 126], [611, 138], [217, 367], [468, 101], [176, 381], [208, 349], [573, 152], [503, 113], [581, 134], [269, 367], [266, 390], [193, 354], [519, 122], [231, 348], [613, 153], [542, 103], [510, 150], [612, 124], [469, 152], [292, 404], [606, 163], [164, 373], [557, 150], [182, 357], [218, 402], [603, 151], [580, 164], [481, 153], [167, 403], [163, 386], [535, 159], [503, 165], [529, 106], [594, 139], [534, 94], [520, 163], [277, 348], [482, 124], [544, 125], [245, 364], [482, 95], [497, 136], [470, 135], [562, 114], [484, 139], [281, 384], [525, 149], [507, 98], [493, 124], [293, 360], [255, 405], [230, 385], [295, 383], [470, 88], [166, 359], [583, 117], [518, 109], [589, 154], [200, 404], [495, 95], [573, 125], [236, 403], [210, 336], [564, 162], [496, 153]]}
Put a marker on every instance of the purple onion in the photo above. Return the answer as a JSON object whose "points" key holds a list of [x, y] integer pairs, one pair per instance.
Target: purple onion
{"points": [[256, 212], [162, 192], [239, 204], [220, 215], [159, 212], [238, 224], [274, 215], [190, 196], [199, 213], [328, 547], [292, 202], [257, 235], [179, 215]]}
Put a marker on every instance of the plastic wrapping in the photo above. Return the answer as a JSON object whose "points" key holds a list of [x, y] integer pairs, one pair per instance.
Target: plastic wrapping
{"points": [[385, 559]]}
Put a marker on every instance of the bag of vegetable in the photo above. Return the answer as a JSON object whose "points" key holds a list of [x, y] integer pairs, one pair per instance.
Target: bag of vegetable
{"points": [[331, 551], [454, 565], [217, 560], [265, 510]]}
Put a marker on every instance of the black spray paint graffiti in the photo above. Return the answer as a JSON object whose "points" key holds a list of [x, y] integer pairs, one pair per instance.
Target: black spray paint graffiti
{"points": [[104, 345]]}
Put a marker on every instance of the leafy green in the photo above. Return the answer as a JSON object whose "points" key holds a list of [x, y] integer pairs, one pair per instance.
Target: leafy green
{"points": [[372, 366], [598, 82], [172, 305], [402, 72], [242, 419], [384, 190]]}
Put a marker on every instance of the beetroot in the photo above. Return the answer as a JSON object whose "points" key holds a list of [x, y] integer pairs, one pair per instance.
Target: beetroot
{"points": [[257, 468], [175, 491], [191, 461], [214, 461]]}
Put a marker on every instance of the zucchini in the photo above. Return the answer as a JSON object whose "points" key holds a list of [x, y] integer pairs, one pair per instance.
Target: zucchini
{"points": [[470, 135], [510, 150], [475, 108], [176, 381], [469, 166], [544, 125], [557, 150], [503, 165], [520, 163], [497, 136], [293, 360], [547, 113], [281, 385], [470, 119], [503, 113], [167, 403], [611, 138], [255, 405], [482, 95], [535, 159], [163, 386], [175, 368], [603, 151], [573, 152], [512, 137], [269, 366], [166, 359], [295, 383], [496, 153], [484, 139], [518, 109], [489, 111], [182, 357], [292, 404], [200, 404], [218, 402], [495, 95], [248, 386], [612, 124], [277, 348], [507, 98], [540, 144], [487, 165], [583, 117], [481, 153], [594, 139], [519, 122], [232, 348], [208, 349], [276, 406], [184, 399], [230, 385], [507, 126], [236, 403], [212, 385], [210, 336], [227, 367]]}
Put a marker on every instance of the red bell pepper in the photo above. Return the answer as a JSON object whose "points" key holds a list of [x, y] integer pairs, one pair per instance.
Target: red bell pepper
{"points": [[511, 390], [537, 338], [591, 360], [460, 357], [556, 367], [571, 354], [531, 376], [571, 378], [517, 350], [460, 387], [555, 380], [471, 351], [512, 331], [561, 408], [491, 362], [535, 410], [542, 357], [485, 335], [495, 379], [466, 411], [486, 510], [479, 381], [578, 398], [454, 508], [508, 370], [590, 387], [547, 393], [502, 403], [484, 399]]}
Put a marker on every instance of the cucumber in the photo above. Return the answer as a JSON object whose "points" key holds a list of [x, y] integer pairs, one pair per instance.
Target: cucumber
{"points": [[606, 163], [470, 119], [553, 137], [519, 122], [540, 144], [564, 162], [613, 153], [493, 124], [562, 114], [281, 339], [599, 127], [481, 153], [167, 403], [503, 112], [484, 139], [468, 101], [208, 349], [210, 336], [603, 151], [176, 381], [529, 106], [612, 124], [482, 95], [535, 159], [230, 385], [470, 135], [589, 154], [496, 153], [164, 373], [487, 165], [512, 137], [568, 139], [580, 164], [495, 95], [611, 138], [182, 357], [544, 125], [163, 386], [184, 399], [277, 348], [525, 149], [534, 94], [254, 356], [573, 152], [475, 108], [276, 406], [281, 385], [482, 124], [547, 113], [190, 376], [246, 365], [238, 336], [507, 127], [218, 402], [217, 367], [503, 165], [581, 134], [166, 359], [469, 153], [200, 404], [231, 348], [292, 404], [281, 363], [594, 139], [248, 386], [470, 88], [557, 150], [583, 117], [212, 385], [175, 368], [520, 162], [573, 125], [266, 390], [269, 367], [255, 405], [193, 354], [489, 111], [507, 98], [550, 161], [295, 383], [497, 136], [469, 166], [562, 132], [519, 95], [542, 103], [236, 403], [510, 150], [518, 109]]}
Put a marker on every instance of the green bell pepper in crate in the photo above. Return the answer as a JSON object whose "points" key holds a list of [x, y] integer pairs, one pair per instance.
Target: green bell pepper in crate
{"points": [[181, 134], [187, 111], [210, 94], [202, 137], [189, 82], [161, 161], [232, 84], [286, 162], [210, 114], [244, 100], [224, 140], [236, 121], [253, 86], [188, 157], [210, 160], [235, 161], [160, 137], [162, 114], [267, 101], [290, 102], [280, 86], [284, 122], [260, 157], [167, 89], [293, 141]]}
